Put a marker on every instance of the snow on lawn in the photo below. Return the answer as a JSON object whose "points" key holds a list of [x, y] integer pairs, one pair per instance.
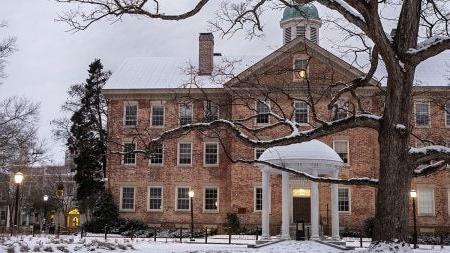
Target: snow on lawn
{"points": [[68, 244]]}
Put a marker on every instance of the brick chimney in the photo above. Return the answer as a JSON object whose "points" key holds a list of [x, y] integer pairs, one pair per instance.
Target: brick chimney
{"points": [[205, 54]]}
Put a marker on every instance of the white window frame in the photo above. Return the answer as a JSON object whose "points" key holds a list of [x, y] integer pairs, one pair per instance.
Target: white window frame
{"points": [[162, 198], [349, 199], [121, 198], [123, 155], [415, 114], [255, 152], [204, 199], [254, 199], [348, 149], [164, 115], [257, 113], [307, 112], [178, 153], [204, 154], [433, 201], [176, 199], [205, 105], [447, 111], [130, 103], [294, 70], [340, 105], [179, 112], [157, 164]]}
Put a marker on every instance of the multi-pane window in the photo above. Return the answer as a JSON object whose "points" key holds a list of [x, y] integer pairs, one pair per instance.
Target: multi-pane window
{"points": [[313, 34], [183, 202], [127, 198], [155, 196], [422, 113], [301, 31], [211, 199], [300, 68], [130, 114], [425, 201], [258, 199], [129, 154], [185, 114], [3, 216], [341, 147], [344, 199], [185, 153], [157, 115], [259, 152], [211, 154], [157, 156], [262, 110], [301, 112], [447, 113], [211, 111], [340, 110], [287, 35]]}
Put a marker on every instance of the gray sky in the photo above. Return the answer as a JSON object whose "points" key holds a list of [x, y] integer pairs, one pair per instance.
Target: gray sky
{"points": [[49, 59]]}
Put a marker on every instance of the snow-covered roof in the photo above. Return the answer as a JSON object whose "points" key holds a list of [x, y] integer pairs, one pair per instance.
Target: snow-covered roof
{"points": [[174, 72], [304, 156]]}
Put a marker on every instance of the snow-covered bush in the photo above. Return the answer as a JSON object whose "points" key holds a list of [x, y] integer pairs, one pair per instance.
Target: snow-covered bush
{"points": [[62, 248], [11, 249], [48, 249], [24, 248], [37, 248]]}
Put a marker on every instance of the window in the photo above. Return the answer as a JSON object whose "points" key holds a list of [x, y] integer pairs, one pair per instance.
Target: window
{"points": [[344, 200], [155, 196], [259, 152], [422, 114], [3, 216], [301, 112], [211, 199], [340, 110], [127, 198], [258, 199], [211, 111], [184, 153], [447, 114], [313, 35], [183, 202], [131, 109], [341, 147], [211, 154], [185, 114], [287, 35], [262, 110], [425, 201], [158, 115], [129, 156], [301, 31], [300, 69], [157, 156]]}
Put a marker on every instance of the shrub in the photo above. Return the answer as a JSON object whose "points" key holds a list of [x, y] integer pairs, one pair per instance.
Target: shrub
{"points": [[37, 248], [11, 249], [368, 226], [24, 248], [48, 249], [62, 248], [233, 223]]}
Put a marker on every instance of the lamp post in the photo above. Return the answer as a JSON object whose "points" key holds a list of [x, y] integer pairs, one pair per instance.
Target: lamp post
{"points": [[413, 195], [45, 211], [18, 178], [191, 198]]}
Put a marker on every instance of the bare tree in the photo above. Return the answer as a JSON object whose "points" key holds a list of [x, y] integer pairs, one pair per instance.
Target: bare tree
{"points": [[421, 32], [7, 47]]}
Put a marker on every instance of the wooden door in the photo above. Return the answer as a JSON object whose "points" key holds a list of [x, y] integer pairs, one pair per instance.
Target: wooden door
{"points": [[301, 209]]}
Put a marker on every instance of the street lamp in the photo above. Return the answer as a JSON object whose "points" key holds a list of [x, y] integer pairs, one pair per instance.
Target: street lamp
{"points": [[191, 197], [413, 195], [45, 211], [18, 178]]}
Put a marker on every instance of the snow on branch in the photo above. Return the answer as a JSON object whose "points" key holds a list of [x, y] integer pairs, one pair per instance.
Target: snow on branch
{"points": [[430, 153], [429, 169], [347, 11], [429, 48]]}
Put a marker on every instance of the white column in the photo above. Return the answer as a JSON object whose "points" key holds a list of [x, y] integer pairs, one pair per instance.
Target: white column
{"points": [[285, 205], [8, 216], [265, 205], [335, 210], [314, 208]]}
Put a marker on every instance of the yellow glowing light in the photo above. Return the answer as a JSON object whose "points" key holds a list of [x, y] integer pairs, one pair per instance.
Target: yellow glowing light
{"points": [[302, 74], [301, 193]]}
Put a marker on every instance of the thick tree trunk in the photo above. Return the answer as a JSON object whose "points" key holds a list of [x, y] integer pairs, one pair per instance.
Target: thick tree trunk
{"points": [[395, 175]]}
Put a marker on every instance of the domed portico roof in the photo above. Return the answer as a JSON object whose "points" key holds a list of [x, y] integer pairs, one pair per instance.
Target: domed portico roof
{"points": [[305, 157], [301, 11]]}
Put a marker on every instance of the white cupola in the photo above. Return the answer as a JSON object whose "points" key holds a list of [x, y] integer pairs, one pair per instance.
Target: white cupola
{"points": [[301, 20]]}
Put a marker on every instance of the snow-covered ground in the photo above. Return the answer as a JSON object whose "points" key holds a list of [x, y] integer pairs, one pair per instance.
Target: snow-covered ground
{"points": [[67, 244]]}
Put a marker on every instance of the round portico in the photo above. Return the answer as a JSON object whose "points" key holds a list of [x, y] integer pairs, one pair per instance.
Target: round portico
{"points": [[314, 158]]}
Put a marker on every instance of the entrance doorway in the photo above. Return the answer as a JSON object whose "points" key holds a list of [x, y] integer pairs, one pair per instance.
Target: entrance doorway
{"points": [[301, 205]]}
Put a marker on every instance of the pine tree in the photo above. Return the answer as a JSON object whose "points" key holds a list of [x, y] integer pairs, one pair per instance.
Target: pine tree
{"points": [[88, 137]]}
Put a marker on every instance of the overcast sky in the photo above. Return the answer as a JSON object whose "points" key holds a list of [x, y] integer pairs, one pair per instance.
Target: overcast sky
{"points": [[50, 59]]}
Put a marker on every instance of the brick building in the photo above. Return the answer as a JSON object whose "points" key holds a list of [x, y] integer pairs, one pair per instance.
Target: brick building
{"points": [[148, 96]]}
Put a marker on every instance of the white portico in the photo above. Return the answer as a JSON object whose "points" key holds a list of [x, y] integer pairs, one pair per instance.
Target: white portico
{"points": [[314, 158]]}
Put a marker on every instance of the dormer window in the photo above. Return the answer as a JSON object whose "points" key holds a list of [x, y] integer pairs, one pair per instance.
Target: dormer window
{"points": [[300, 68]]}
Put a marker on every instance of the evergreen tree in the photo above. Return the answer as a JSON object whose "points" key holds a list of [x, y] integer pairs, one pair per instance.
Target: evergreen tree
{"points": [[87, 139]]}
